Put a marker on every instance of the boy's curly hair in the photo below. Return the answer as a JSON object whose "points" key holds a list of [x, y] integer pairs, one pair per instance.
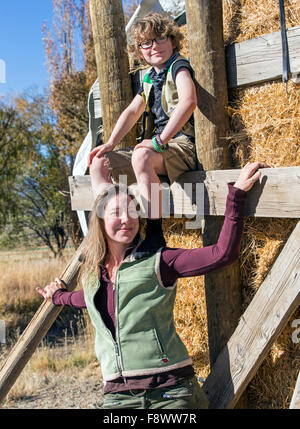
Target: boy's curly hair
{"points": [[150, 26]]}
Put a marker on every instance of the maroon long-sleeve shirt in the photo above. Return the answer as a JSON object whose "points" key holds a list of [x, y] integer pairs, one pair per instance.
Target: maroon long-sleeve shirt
{"points": [[175, 263]]}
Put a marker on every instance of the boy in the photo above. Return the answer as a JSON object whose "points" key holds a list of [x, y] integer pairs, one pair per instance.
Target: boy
{"points": [[168, 98]]}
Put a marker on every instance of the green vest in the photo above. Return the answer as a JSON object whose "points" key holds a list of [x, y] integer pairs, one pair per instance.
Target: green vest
{"points": [[169, 100], [146, 339]]}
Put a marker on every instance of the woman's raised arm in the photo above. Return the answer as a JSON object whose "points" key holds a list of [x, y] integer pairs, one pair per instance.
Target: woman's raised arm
{"points": [[176, 263]]}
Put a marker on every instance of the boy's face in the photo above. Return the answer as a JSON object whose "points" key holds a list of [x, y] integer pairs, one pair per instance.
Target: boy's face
{"points": [[159, 53]]}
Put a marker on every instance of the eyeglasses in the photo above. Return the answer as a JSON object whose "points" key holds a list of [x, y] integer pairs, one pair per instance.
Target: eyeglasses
{"points": [[148, 43]]}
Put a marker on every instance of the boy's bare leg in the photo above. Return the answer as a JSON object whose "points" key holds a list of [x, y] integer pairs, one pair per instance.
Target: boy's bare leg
{"points": [[147, 165], [100, 175]]}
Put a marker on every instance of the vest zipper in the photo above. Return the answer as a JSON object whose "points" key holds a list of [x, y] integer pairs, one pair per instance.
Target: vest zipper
{"points": [[119, 361], [118, 357], [117, 350], [116, 342]]}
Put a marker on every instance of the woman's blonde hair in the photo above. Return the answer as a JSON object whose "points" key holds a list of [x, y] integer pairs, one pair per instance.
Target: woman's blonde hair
{"points": [[153, 25], [94, 245]]}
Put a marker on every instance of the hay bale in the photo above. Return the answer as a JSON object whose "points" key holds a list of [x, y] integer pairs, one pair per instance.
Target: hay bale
{"points": [[265, 126], [247, 19]]}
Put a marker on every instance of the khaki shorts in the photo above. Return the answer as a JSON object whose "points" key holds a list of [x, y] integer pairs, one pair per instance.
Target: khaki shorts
{"points": [[179, 157]]}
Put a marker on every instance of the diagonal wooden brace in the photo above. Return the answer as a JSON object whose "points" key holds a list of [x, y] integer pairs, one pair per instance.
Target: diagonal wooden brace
{"points": [[262, 322], [35, 331]]}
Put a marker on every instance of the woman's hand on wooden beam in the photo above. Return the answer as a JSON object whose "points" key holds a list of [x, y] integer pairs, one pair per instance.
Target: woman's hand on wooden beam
{"points": [[249, 175], [50, 289]]}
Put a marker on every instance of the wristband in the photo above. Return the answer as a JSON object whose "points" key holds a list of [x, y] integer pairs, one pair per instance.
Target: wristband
{"points": [[156, 146], [159, 142]]}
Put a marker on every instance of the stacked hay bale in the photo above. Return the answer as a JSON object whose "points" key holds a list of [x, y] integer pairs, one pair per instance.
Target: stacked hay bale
{"points": [[265, 126]]}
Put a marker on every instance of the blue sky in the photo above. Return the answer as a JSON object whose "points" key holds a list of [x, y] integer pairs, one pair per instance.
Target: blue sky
{"points": [[22, 55], [21, 45]]}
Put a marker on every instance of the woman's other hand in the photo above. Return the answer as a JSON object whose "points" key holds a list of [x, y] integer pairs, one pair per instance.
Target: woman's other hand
{"points": [[49, 290], [249, 175]]}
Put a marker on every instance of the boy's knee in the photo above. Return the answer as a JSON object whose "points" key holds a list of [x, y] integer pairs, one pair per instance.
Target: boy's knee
{"points": [[99, 164], [141, 159]]}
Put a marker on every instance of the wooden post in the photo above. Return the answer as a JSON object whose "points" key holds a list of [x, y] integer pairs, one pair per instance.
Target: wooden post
{"points": [[207, 53], [35, 332], [295, 402], [112, 64], [206, 48]]}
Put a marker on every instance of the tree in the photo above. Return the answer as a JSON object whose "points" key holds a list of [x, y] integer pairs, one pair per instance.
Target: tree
{"points": [[33, 175], [16, 148], [67, 66], [72, 71], [41, 207]]}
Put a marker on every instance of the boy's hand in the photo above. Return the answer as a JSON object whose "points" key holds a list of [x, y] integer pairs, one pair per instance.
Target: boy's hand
{"points": [[99, 151], [50, 289], [249, 175]]}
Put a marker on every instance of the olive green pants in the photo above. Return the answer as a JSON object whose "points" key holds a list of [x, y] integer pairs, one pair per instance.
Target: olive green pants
{"points": [[186, 395]]}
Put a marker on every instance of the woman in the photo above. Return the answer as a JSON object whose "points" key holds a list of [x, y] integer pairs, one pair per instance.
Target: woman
{"points": [[130, 301]]}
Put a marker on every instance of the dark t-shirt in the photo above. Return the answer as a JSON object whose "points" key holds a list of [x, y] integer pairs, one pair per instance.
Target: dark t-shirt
{"points": [[160, 116]]}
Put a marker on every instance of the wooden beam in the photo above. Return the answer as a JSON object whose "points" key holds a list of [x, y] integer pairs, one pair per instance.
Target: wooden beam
{"points": [[262, 322], [207, 55], [108, 26], [35, 331], [258, 60], [275, 195], [295, 402]]}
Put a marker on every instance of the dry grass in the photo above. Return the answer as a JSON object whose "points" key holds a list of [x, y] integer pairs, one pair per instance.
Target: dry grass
{"points": [[69, 356], [22, 272]]}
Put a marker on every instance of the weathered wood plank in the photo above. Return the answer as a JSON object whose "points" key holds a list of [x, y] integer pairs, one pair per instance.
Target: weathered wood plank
{"points": [[260, 59], [262, 322], [275, 195], [295, 402]]}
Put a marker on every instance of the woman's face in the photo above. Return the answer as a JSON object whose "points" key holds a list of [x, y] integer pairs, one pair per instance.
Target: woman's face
{"points": [[121, 222]]}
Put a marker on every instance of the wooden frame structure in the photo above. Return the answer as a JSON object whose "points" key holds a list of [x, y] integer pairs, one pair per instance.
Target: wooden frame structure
{"points": [[268, 198], [238, 352]]}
